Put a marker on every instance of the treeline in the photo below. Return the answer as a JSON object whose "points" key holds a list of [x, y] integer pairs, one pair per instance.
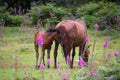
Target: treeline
{"points": [[104, 13]]}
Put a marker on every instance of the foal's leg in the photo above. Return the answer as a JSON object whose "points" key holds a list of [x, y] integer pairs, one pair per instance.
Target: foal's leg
{"points": [[55, 53], [42, 56], [73, 54], [48, 56], [37, 55]]}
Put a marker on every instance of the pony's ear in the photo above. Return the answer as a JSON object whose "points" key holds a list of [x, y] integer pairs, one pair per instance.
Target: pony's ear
{"points": [[89, 45]]}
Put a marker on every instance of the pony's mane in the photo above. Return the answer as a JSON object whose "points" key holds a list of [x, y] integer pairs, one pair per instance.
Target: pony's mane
{"points": [[51, 30]]}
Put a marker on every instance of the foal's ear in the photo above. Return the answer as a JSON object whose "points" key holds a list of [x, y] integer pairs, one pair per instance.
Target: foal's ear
{"points": [[89, 45]]}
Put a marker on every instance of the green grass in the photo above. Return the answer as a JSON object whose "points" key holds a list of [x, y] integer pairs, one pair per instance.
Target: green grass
{"points": [[21, 43]]}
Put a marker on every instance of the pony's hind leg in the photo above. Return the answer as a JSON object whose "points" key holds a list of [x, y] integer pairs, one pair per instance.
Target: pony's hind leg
{"points": [[37, 55]]}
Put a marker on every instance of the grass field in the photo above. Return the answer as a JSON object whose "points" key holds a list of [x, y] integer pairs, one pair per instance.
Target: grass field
{"points": [[20, 44]]}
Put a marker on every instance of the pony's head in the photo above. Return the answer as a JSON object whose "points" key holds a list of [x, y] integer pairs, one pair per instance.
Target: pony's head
{"points": [[86, 54]]}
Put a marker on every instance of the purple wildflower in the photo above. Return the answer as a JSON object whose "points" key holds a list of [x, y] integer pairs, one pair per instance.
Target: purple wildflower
{"points": [[25, 72], [15, 10], [110, 78], [2, 24], [67, 58], [81, 62], [106, 44], [65, 76], [42, 66], [19, 11], [87, 39], [72, 17], [28, 21], [51, 13], [91, 73], [58, 66], [38, 13], [108, 55], [40, 23], [96, 26], [48, 61], [108, 26], [0, 33], [117, 18], [116, 54], [40, 41], [50, 74]]}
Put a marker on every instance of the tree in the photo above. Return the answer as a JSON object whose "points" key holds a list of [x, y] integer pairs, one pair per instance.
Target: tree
{"points": [[23, 5]]}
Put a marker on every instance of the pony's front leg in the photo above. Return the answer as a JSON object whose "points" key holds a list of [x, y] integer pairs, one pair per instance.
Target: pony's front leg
{"points": [[48, 57], [37, 55], [73, 54], [55, 54]]}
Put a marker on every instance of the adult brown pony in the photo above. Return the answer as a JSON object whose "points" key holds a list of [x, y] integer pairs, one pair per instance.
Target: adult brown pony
{"points": [[47, 38], [71, 34]]}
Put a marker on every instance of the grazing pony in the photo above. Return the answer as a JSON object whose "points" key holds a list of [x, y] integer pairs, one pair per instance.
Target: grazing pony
{"points": [[71, 34], [46, 38]]}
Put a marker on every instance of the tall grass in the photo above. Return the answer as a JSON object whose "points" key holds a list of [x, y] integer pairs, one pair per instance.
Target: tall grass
{"points": [[14, 43]]}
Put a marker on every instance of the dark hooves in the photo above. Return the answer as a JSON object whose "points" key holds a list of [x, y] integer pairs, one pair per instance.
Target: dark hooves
{"points": [[37, 67], [48, 66]]}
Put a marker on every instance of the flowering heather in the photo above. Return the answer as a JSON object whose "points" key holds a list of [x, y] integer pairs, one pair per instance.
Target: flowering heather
{"points": [[108, 26], [51, 13], [42, 66], [48, 61], [87, 39], [108, 55], [38, 13], [40, 41], [58, 66], [110, 78], [96, 26], [65, 76], [50, 74], [81, 63], [72, 17], [116, 54], [105, 44], [25, 72], [40, 23], [67, 58], [91, 73], [117, 18], [15, 10], [0, 33], [28, 21], [19, 11]]}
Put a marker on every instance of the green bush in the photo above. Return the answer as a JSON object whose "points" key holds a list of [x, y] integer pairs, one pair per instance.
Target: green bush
{"points": [[12, 20], [48, 11], [99, 13]]}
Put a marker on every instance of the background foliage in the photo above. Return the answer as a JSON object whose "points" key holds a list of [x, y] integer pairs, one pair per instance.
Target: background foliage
{"points": [[103, 13]]}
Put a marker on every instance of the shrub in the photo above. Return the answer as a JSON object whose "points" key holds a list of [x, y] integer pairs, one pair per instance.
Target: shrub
{"points": [[12, 20], [99, 13], [48, 11]]}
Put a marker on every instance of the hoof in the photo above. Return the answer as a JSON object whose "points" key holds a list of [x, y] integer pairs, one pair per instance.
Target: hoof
{"points": [[48, 66], [55, 67], [37, 67]]}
